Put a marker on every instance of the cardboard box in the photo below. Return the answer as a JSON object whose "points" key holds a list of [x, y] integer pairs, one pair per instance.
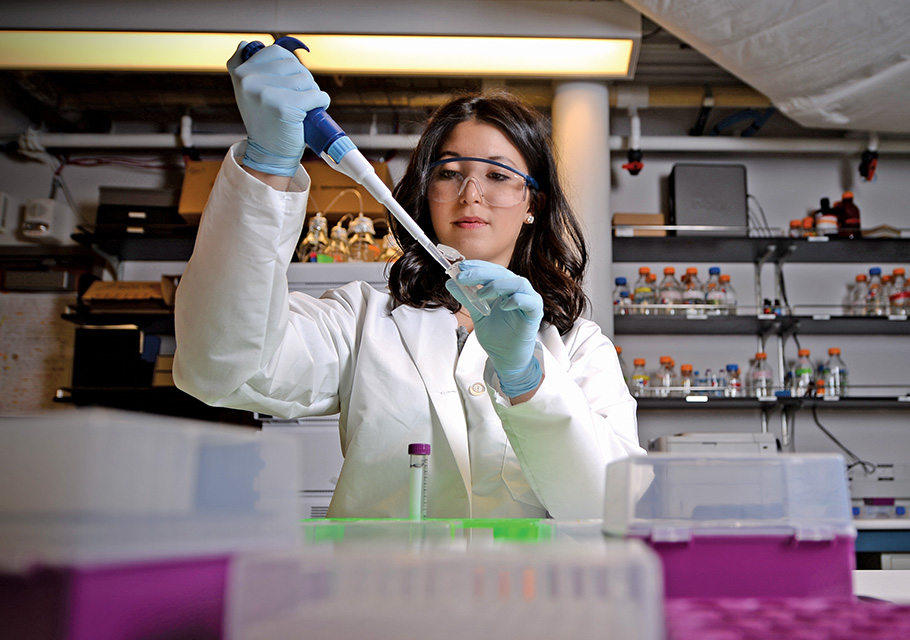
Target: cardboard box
{"points": [[198, 180], [326, 183], [623, 224]]}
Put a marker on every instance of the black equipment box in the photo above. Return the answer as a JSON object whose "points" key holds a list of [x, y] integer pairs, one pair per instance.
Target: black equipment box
{"points": [[709, 195]]}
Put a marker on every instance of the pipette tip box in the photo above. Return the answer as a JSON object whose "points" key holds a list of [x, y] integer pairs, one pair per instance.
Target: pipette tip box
{"points": [[738, 525], [117, 524]]}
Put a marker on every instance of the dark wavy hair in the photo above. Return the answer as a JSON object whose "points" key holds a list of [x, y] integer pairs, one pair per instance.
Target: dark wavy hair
{"points": [[550, 252]]}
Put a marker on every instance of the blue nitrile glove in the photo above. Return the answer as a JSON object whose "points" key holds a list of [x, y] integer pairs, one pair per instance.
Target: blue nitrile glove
{"points": [[509, 333], [274, 91]]}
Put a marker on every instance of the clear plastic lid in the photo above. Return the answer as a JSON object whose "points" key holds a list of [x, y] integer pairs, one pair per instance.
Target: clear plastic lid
{"points": [[672, 497]]}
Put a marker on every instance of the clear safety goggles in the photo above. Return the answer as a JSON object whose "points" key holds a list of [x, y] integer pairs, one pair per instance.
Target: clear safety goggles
{"points": [[498, 184]]}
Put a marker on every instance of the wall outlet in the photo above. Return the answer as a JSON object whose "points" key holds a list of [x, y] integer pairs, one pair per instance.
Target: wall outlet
{"points": [[47, 221]]}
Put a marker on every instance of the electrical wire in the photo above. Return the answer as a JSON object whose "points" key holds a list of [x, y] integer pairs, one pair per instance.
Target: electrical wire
{"points": [[758, 222], [868, 467]]}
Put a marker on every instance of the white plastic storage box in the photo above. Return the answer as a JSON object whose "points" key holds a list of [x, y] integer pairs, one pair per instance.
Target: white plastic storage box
{"points": [[532, 592], [117, 524], [738, 525]]}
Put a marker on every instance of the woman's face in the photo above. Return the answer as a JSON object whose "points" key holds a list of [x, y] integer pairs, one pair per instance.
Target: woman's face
{"points": [[469, 223]]}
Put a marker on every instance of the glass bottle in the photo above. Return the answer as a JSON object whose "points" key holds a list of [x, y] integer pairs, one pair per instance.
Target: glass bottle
{"points": [[858, 294], [848, 217], [640, 378], [808, 227], [761, 378], [900, 292], [693, 292], [729, 295], [314, 244], [876, 304], [734, 386], [390, 251], [621, 303], [686, 380], [338, 248], [835, 375], [715, 295], [643, 295], [363, 240], [803, 374], [665, 379], [796, 228], [670, 292], [887, 288], [622, 365]]}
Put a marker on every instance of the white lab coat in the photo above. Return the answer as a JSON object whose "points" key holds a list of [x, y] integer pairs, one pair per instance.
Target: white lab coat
{"points": [[393, 374]]}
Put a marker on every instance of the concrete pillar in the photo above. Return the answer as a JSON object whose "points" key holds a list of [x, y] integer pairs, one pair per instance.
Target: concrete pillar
{"points": [[581, 131]]}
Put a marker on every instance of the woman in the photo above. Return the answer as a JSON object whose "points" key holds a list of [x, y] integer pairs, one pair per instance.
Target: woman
{"points": [[523, 408]]}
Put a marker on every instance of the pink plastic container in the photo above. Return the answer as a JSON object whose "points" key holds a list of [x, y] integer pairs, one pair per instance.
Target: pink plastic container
{"points": [[165, 599], [756, 566], [738, 525]]}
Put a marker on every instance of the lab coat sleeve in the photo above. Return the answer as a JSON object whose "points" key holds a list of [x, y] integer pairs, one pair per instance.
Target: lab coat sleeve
{"points": [[581, 418], [241, 342]]}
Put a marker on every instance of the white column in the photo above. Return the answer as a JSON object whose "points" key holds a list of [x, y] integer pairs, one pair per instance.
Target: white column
{"points": [[581, 132]]}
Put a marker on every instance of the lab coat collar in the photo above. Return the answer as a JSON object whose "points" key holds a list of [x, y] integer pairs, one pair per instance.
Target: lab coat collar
{"points": [[429, 336]]}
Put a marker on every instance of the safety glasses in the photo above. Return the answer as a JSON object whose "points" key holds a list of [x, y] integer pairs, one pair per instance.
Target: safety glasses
{"points": [[498, 184]]}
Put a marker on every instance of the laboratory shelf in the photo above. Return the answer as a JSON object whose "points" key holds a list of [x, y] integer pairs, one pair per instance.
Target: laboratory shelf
{"points": [[781, 249], [759, 325], [693, 325], [157, 321], [848, 403], [701, 402], [164, 400], [174, 244], [787, 403]]}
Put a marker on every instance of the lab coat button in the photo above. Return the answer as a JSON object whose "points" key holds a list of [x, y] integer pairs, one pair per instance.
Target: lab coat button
{"points": [[477, 389]]}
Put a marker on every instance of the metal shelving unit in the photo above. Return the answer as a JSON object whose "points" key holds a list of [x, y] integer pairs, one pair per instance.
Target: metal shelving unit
{"points": [[760, 251]]}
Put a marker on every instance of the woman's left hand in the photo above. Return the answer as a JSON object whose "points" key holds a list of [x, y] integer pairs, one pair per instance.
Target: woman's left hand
{"points": [[509, 333]]}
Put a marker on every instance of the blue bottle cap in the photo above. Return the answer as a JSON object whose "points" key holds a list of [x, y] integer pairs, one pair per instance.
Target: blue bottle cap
{"points": [[620, 281], [714, 270], [875, 271]]}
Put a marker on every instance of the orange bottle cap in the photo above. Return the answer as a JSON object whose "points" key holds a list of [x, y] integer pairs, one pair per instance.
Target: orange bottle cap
{"points": [[761, 355], [686, 367], [834, 351], [669, 271], [803, 352], [665, 359], [644, 270], [692, 270], [639, 361], [724, 277], [847, 194], [899, 271], [618, 349]]}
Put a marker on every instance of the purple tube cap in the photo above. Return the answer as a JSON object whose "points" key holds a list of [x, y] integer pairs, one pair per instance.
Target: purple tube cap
{"points": [[419, 449]]}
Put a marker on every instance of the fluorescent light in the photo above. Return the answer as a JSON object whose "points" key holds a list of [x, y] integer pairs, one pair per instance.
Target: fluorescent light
{"points": [[467, 55], [120, 50], [341, 54]]}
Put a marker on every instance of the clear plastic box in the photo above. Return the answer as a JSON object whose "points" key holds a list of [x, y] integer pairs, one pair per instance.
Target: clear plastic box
{"points": [[460, 533], [738, 525], [122, 525], [510, 591], [97, 485]]}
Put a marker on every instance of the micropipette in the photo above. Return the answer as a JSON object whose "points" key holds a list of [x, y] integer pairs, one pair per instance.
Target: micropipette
{"points": [[332, 144]]}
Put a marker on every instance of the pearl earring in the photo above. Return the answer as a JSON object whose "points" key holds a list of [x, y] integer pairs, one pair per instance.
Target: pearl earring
{"points": [[529, 219]]}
